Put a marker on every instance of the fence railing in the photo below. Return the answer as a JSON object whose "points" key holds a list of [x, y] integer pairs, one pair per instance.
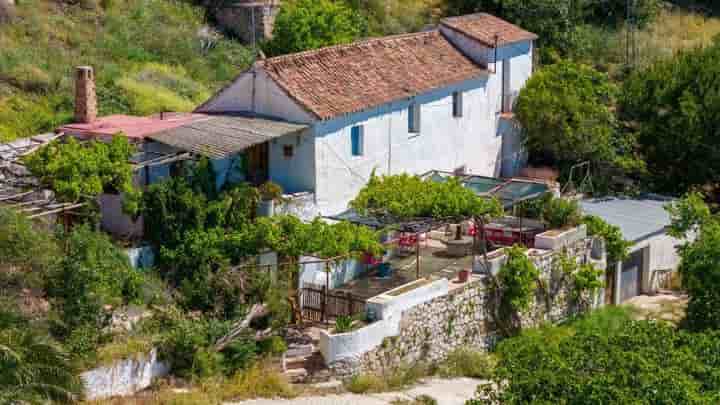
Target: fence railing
{"points": [[320, 304]]}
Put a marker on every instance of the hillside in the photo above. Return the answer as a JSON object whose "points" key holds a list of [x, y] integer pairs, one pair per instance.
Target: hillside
{"points": [[149, 55]]}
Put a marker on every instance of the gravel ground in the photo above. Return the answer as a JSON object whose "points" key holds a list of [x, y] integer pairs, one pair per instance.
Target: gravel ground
{"points": [[447, 392]]}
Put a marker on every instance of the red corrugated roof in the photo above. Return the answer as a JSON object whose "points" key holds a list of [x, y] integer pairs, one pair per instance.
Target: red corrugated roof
{"points": [[343, 79], [131, 126], [485, 28]]}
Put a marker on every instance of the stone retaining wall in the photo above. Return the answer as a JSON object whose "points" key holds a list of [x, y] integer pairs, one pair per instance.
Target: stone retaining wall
{"points": [[430, 331]]}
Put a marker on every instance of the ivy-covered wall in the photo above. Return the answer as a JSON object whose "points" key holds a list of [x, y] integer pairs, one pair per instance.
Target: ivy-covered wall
{"points": [[430, 331]]}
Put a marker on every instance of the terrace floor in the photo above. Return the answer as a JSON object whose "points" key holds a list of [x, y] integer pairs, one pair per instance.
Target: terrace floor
{"points": [[434, 263]]}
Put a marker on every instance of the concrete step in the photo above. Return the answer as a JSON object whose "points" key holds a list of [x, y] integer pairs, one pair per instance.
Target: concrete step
{"points": [[296, 375]]}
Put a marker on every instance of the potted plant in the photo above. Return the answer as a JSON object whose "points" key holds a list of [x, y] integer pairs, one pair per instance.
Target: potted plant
{"points": [[464, 275], [269, 193]]}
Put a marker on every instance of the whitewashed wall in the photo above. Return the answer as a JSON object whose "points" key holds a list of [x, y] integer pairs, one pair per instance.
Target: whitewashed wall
{"points": [[270, 99], [444, 142], [297, 173], [124, 377]]}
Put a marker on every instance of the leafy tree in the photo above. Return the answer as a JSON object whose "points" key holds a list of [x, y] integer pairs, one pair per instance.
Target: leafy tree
{"points": [[672, 107], [566, 114], [78, 171], [605, 358], [310, 24], [700, 259], [33, 368]]}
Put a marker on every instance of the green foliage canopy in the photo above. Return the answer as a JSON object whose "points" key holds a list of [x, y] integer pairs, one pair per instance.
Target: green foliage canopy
{"points": [[565, 111], [404, 197], [310, 24], [700, 259], [606, 358], [78, 171], [672, 107], [518, 280]]}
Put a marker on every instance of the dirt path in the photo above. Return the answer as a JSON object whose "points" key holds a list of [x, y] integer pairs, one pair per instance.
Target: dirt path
{"points": [[447, 392], [667, 307]]}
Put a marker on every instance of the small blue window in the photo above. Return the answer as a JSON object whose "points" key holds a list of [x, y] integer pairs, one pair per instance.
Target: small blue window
{"points": [[356, 139]]}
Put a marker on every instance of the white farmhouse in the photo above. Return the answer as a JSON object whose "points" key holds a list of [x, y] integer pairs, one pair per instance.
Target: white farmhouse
{"points": [[434, 100]]}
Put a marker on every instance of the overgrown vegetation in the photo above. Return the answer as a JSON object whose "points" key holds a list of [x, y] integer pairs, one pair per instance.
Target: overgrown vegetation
{"points": [[605, 358], [700, 260], [309, 24], [149, 56], [405, 197], [81, 171]]}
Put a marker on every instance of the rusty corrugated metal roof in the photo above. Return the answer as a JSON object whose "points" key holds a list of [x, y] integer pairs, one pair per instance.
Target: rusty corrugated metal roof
{"points": [[219, 136]]}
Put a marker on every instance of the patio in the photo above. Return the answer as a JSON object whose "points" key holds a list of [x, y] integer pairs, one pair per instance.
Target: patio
{"points": [[434, 263]]}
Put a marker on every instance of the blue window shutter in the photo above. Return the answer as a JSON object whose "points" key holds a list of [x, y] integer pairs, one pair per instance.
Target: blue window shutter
{"points": [[356, 135]]}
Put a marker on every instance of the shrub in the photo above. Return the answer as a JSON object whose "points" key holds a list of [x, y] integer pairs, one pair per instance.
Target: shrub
{"points": [[93, 273], [605, 358], [464, 362], [343, 324], [259, 381], [560, 213], [365, 383]]}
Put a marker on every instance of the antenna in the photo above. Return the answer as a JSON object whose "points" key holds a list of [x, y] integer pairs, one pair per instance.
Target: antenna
{"points": [[631, 49]]}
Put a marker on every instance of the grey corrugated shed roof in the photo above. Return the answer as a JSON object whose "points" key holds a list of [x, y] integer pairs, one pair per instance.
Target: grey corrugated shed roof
{"points": [[219, 136], [638, 218]]}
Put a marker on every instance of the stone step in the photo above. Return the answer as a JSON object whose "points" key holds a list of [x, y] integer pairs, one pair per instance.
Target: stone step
{"points": [[296, 375]]}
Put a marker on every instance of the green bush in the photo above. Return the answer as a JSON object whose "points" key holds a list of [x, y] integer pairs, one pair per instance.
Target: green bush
{"points": [[560, 213], [92, 274], [605, 358], [465, 362], [309, 24], [343, 324]]}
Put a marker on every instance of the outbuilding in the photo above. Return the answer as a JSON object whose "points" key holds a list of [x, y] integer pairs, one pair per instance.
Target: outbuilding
{"points": [[653, 255]]}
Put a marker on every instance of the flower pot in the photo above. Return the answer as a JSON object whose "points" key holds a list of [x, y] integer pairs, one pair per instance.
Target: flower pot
{"points": [[463, 275]]}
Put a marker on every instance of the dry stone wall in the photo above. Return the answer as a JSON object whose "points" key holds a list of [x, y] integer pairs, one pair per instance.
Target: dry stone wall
{"points": [[430, 331]]}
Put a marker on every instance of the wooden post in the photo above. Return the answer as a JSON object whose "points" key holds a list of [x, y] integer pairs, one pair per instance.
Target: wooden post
{"points": [[325, 290], [417, 255]]}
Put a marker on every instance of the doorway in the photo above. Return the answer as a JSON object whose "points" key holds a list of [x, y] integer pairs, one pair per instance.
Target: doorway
{"points": [[257, 156]]}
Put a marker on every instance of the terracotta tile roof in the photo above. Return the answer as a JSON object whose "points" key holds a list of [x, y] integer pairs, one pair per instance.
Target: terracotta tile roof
{"points": [[484, 27], [343, 79]]}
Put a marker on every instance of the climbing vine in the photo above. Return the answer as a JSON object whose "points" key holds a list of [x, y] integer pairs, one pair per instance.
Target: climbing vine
{"points": [[617, 247], [404, 196], [77, 171]]}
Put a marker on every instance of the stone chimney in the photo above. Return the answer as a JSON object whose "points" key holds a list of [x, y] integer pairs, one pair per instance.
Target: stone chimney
{"points": [[85, 98]]}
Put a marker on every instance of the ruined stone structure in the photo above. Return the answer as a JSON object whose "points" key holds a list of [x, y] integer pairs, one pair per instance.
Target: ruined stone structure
{"points": [[461, 318], [85, 98], [250, 20]]}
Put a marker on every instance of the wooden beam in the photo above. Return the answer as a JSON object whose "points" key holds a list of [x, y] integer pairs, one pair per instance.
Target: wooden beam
{"points": [[12, 197], [55, 211]]}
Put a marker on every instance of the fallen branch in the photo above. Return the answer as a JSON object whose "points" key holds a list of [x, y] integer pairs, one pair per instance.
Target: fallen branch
{"points": [[238, 328]]}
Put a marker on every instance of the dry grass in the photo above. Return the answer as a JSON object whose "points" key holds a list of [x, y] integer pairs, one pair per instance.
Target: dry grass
{"points": [[395, 380], [465, 362], [675, 31]]}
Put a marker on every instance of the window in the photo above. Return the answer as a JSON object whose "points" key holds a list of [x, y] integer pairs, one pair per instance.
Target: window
{"points": [[357, 140], [457, 104], [288, 151], [414, 118]]}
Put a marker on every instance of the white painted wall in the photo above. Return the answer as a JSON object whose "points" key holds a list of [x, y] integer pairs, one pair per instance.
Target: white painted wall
{"points": [[125, 377], [270, 99], [295, 174], [662, 254], [354, 344], [444, 142], [340, 273]]}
